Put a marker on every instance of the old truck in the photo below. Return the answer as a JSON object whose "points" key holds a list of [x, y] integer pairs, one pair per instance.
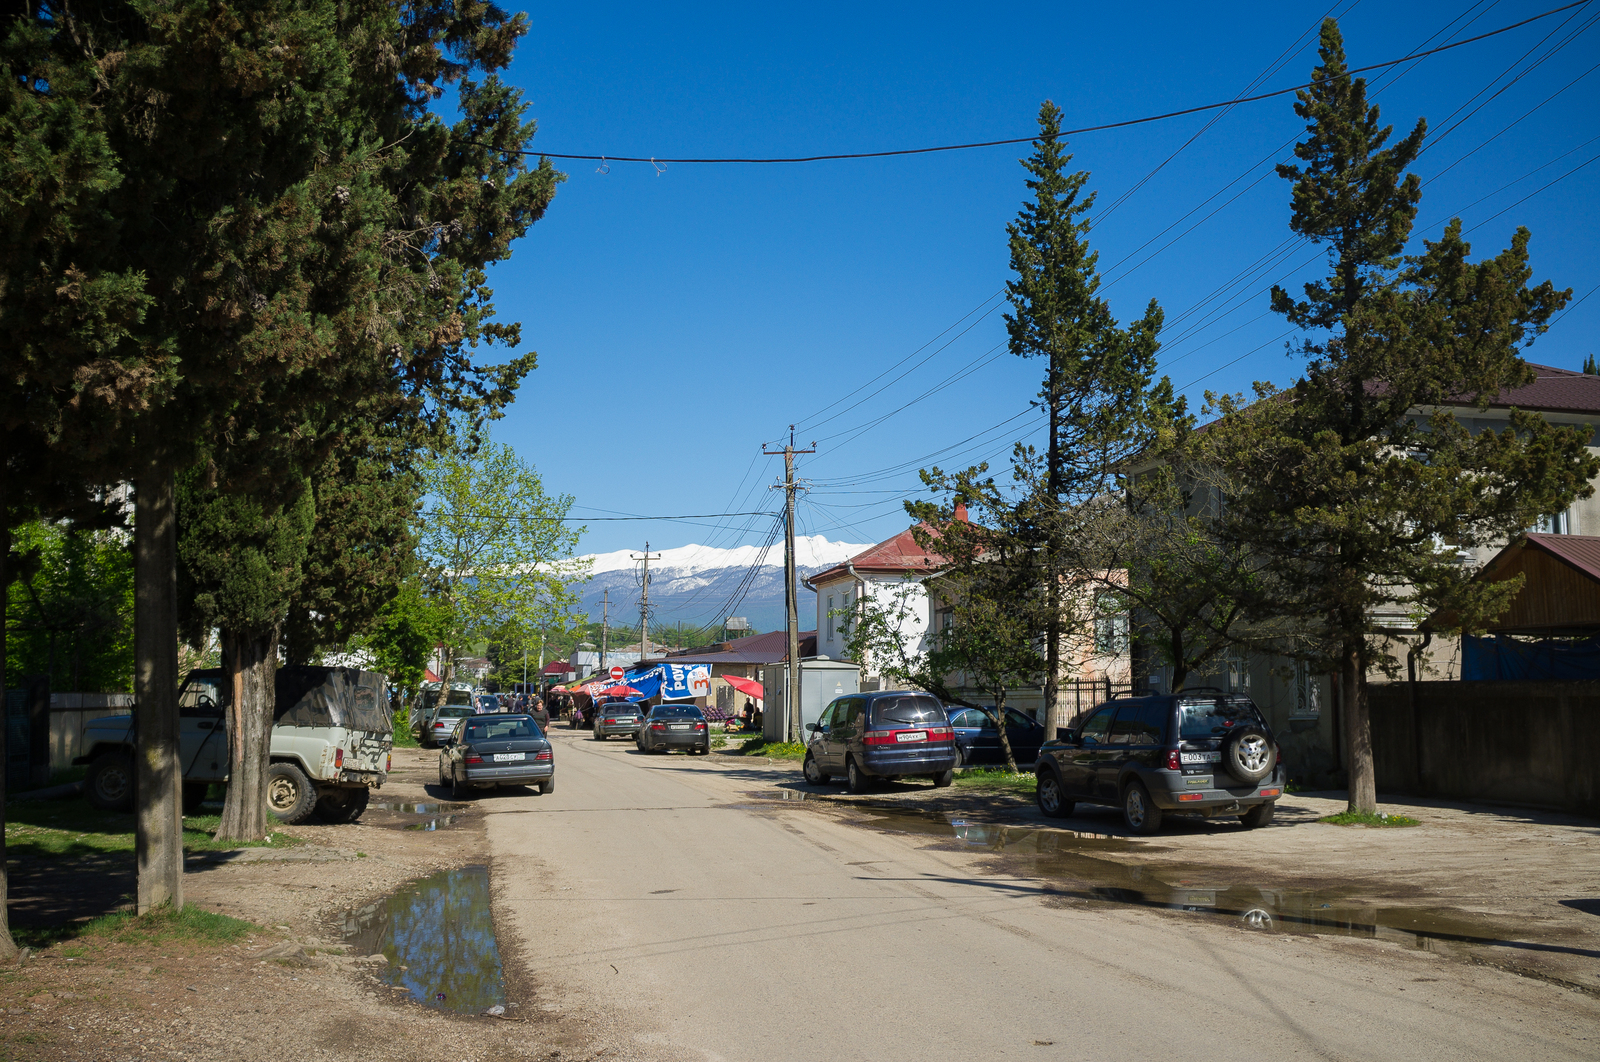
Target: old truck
{"points": [[331, 739]]}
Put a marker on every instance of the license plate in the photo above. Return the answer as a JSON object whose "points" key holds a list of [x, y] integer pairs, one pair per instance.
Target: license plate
{"points": [[508, 757], [677, 726], [911, 735], [1202, 757]]}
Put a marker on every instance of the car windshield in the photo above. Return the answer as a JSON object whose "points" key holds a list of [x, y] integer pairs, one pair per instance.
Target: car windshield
{"points": [[1215, 716], [908, 711], [502, 729], [684, 711], [614, 710], [450, 711]]}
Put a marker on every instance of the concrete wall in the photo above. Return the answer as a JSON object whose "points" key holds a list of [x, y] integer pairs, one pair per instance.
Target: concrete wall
{"points": [[68, 714], [1517, 742]]}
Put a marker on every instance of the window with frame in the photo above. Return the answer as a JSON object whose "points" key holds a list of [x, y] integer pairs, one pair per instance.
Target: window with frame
{"points": [[1110, 624], [830, 617], [1557, 524]]}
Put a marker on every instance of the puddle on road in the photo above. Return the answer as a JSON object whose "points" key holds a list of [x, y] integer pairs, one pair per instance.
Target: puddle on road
{"points": [[440, 815], [1083, 866], [416, 809], [439, 938], [439, 822]]}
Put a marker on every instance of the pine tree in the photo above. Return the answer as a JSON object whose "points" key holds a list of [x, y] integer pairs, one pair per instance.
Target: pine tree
{"points": [[1347, 484]]}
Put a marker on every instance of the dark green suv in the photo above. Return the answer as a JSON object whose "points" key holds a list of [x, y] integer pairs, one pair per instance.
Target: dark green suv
{"points": [[1199, 752]]}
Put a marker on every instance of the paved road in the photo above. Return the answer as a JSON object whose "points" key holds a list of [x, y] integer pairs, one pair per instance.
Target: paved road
{"points": [[690, 922]]}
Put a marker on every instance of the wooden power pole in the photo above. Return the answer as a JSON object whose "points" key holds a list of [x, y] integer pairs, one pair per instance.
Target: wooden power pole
{"points": [[792, 610], [644, 603], [605, 626]]}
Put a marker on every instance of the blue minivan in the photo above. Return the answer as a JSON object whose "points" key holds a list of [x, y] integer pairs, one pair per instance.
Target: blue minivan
{"points": [[888, 734]]}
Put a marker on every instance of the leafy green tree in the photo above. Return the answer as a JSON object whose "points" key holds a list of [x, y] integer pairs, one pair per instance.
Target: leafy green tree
{"points": [[494, 548], [1358, 485], [240, 562], [70, 613], [1097, 393], [402, 637], [241, 226]]}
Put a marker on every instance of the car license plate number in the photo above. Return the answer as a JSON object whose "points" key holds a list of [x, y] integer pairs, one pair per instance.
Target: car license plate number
{"points": [[1202, 757], [911, 735], [677, 726], [508, 757]]}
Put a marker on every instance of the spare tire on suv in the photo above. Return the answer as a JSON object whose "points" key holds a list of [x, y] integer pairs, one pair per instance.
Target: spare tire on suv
{"points": [[1249, 754]]}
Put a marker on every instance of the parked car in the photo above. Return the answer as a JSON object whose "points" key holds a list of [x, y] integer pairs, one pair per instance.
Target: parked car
{"points": [[494, 750], [422, 723], [674, 726], [618, 717], [889, 734], [1199, 752], [977, 738], [488, 703], [444, 722], [330, 747]]}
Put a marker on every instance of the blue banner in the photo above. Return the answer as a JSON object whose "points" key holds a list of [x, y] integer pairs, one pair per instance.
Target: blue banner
{"points": [[673, 682]]}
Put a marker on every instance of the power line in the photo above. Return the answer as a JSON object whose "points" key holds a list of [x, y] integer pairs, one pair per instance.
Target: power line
{"points": [[1065, 132]]}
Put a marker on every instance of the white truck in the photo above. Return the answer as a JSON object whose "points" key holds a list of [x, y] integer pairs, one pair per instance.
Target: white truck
{"points": [[331, 739]]}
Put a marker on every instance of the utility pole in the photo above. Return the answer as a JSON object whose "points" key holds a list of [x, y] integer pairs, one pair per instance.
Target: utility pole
{"points": [[605, 626], [792, 608], [644, 603]]}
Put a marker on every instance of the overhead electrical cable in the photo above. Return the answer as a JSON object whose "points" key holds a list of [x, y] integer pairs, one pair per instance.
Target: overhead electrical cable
{"points": [[1125, 123]]}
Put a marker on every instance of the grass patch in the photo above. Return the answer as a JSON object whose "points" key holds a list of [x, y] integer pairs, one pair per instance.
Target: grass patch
{"points": [[997, 781], [778, 750], [190, 924], [72, 829], [1368, 818]]}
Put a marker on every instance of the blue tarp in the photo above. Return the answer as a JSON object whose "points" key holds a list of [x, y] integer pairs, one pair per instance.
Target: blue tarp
{"points": [[1504, 658], [674, 682]]}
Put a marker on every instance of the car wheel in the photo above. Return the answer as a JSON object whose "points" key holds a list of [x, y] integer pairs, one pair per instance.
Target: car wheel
{"points": [[961, 757], [459, 790], [290, 794], [1249, 755], [814, 773], [110, 781], [1053, 804], [1258, 816], [547, 786], [342, 806], [443, 784], [855, 779], [194, 794], [1138, 811], [940, 781]]}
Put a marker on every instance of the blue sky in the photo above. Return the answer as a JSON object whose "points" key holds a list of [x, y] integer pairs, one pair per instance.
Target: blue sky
{"points": [[685, 317]]}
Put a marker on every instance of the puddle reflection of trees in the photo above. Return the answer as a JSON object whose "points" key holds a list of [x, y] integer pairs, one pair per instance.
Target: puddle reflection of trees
{"points": [[442, 931]]}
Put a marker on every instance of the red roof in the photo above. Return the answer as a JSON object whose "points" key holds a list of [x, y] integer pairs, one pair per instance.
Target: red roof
{"points": [[1554, 391], [1580, 551], [558, 667], [892, 556]]}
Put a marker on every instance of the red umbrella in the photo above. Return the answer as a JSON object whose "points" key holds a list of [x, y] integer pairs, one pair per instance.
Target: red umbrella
{"points": [[620, 691], [744, 685]]}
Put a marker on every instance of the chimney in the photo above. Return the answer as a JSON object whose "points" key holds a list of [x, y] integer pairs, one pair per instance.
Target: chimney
{"points": [[961, 511]]}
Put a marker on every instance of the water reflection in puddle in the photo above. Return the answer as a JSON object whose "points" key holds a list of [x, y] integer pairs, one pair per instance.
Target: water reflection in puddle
{"points": [[415, 809], [437, 823], [1083, 866], [438, 936]]}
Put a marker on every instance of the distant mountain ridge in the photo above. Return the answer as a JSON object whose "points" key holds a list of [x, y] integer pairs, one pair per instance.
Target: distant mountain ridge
{"points": [[693, 584]]}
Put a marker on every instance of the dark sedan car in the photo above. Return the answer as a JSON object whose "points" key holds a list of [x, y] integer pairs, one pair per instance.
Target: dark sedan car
{"points": [[618, 717], [674, 726], [978, 739], [493, 750]]}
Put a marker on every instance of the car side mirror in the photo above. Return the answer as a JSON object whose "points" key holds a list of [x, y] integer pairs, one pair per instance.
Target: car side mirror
{"points": [[812, 728], [1065, 735]]}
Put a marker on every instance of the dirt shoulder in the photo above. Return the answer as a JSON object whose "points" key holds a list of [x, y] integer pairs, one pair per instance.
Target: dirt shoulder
{"points": [[1514, 887], [290, 983]]}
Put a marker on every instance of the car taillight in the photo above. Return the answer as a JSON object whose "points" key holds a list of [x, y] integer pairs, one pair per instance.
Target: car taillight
{"points": [[658, 726], [1191, 796], [699, 726], [1272, 792], [545, 755], [472, 757], [388, 763], [940, 733], [338, 757], [1174, 761]]}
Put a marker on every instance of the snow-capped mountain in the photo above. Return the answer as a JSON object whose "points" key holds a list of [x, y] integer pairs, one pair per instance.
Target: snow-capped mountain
{"points": [[694, 584]]}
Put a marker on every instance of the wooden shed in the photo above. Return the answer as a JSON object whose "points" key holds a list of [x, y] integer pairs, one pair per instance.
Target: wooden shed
{"points": [[1561, 591]]}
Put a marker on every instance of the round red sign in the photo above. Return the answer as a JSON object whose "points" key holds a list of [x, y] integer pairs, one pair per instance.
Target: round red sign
{"points": [[616, 673]]}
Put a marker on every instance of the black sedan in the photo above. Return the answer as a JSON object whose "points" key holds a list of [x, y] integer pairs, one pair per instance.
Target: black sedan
{"points": [[978, 739], [492, 750], [674, 726]]}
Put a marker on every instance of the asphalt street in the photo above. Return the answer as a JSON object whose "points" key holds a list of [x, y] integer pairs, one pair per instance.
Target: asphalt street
{"points": [[686, 920]]}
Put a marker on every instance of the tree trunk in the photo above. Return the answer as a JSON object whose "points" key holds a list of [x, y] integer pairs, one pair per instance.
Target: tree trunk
{"points": [[250, 663], [1000, 721], [8, 949], [1052, 649], [158, 843], [1363, 791]]}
